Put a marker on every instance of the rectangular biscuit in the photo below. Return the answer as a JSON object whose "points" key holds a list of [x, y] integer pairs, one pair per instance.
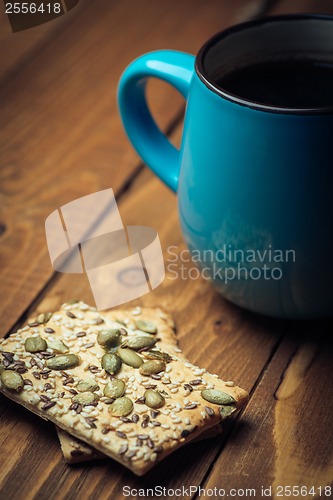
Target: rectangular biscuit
{"points": [[49, 367], [75, 450]]}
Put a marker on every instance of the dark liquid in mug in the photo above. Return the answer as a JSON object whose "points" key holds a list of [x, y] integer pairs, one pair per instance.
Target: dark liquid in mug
{"points": [[285, 83]]}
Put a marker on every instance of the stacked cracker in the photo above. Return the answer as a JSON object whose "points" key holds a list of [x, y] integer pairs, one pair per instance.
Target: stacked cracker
{"points": [[115, 381]]}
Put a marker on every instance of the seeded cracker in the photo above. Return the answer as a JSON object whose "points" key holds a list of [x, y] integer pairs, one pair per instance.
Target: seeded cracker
{"points": [[167, 402], [74, 450]]}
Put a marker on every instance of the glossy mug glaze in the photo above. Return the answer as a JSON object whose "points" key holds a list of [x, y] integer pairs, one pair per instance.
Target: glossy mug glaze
{"points": [[254, 182]]}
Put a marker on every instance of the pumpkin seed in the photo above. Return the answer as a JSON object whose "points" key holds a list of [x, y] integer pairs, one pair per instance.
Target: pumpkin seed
{"points": [[121, 407], [63, 362], [12, 380], [115, 388], [43, 318], [2, 367], [130, 358], [109, 338], [155, 354], [152, 367], [153, 399], [217, 397], [87, 385], [146, 326], [111, 363], [57, 346], [35, 344], [226, 411], [137, 343], [85, 398]]}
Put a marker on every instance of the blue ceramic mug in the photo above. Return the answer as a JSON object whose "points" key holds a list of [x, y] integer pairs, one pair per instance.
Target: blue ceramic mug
{"points": [[254, 181]]}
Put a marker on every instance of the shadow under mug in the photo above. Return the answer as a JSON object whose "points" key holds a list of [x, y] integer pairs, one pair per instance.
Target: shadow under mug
{"points": [[254, 181]]}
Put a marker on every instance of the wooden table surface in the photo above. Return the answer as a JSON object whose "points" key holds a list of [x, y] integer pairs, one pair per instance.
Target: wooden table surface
{"points": [[61, 138]]}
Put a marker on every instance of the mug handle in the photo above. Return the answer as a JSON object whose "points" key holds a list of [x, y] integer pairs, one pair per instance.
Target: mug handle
{"points": [[176, 68]]}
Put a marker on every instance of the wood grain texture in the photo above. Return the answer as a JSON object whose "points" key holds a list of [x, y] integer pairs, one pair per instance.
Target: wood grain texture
{"points": [[16, 49], [288, 437], [61, 133]]}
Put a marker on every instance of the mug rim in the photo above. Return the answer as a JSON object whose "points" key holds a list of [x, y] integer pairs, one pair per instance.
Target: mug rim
{"points": [[199, 66]]}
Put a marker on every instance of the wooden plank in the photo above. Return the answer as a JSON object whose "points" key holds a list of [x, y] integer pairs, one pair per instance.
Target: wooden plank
{"points": [[62, 137], [286, 436]]}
